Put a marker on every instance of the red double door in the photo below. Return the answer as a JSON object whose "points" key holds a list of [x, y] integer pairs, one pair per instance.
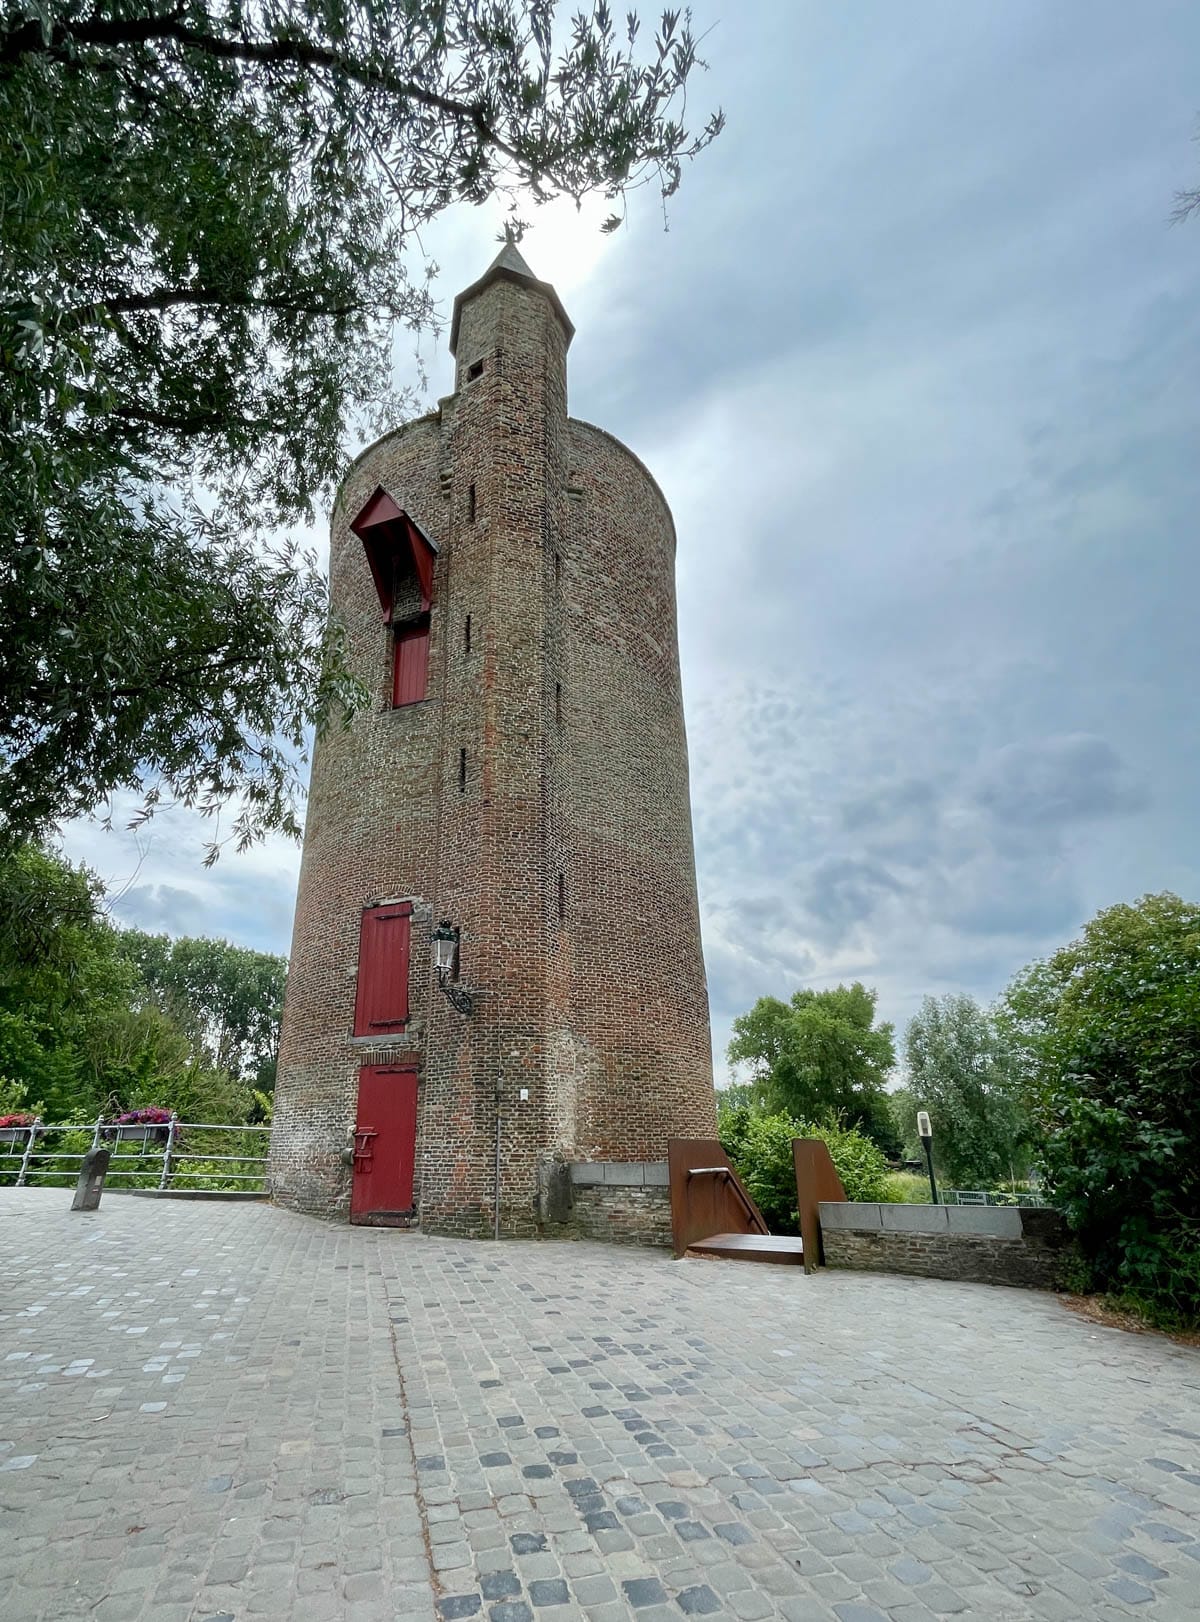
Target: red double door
{"points": [[385, 1141]]}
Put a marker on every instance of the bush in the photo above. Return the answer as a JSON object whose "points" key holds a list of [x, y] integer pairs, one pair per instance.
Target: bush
{"points": [[1111, 1029], [760, 1147], [905, 1188]]}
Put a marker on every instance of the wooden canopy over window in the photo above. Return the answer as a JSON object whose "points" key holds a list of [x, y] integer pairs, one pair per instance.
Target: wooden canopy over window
{"points": [[394, 544]]}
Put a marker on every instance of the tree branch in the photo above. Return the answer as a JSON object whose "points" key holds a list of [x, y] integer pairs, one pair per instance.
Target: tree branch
{"points": [[163, 298], [29, 40]]}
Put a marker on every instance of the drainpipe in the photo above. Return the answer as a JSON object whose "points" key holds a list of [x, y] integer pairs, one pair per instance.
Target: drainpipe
{"points": [[496, 1225], [496, 1096]]}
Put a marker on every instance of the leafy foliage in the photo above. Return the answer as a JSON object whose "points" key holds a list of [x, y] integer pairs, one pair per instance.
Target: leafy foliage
{"points": [[207, 216], [961, 1071], [1109, 1030], [227, 999], [760, 1147], [820, 1057], [93, 1019]]}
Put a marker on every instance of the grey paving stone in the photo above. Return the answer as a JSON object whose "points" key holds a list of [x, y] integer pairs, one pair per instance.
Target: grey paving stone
{"points": [[452, 1606], [1124, 1588], [500, 1585], [908, 1570], [1136, 1566], [548, 1592], [698, 1601], [1063, 1507]]}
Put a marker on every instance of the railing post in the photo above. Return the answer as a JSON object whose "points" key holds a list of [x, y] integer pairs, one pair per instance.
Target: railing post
{"points": [[33, 1132], [165, 1179], [96, 1132]]}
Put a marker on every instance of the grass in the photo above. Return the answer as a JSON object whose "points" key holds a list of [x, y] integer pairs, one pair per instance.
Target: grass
{"points": [[906, 1188]]}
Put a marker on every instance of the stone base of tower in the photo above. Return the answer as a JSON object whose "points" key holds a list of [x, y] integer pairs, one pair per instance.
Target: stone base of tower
{"points": [[615, 1202], [619, 1203]]}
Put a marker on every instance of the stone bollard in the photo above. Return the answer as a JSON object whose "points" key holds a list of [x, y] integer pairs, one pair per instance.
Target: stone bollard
{"points": [[91, 1180]]}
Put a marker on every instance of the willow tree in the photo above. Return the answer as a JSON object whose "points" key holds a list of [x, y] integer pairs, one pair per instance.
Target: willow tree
{"points": [[208, 237]]}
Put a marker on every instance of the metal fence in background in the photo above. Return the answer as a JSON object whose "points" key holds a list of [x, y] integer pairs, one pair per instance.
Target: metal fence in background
{"points": [[981, 1196], [179, 1155]]}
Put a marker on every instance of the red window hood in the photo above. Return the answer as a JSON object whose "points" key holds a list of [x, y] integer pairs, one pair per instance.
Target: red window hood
{"points": [[390, 536]]}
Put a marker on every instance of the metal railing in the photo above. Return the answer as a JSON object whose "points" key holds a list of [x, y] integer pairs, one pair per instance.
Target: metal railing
{"points": [[982, 1196], [172, 1154]]}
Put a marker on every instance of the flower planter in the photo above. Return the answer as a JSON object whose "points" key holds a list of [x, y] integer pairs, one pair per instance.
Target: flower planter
{"points": [[147, 1133], [16, 1134]]}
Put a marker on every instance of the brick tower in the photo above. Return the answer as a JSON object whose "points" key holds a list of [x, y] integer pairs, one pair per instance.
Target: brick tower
{"points": [[505, 578]]}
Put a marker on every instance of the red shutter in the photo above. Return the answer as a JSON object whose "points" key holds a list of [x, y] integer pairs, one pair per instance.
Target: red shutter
{"points": [[411, 666], [381, 1006]]}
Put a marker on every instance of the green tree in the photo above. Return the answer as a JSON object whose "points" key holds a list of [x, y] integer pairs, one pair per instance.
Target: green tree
{"points": [[60, 979], [1109, 1031], [93, 1018], [227, 998], [209, 214], [961, 1071], [820, 1057]]}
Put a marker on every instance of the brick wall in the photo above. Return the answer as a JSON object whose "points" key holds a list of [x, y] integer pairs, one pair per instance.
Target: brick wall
{"points": [[974, 1244], [623, 1204], [567, 844]]}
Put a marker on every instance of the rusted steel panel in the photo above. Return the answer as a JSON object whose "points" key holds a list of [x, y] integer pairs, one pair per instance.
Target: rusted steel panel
{"points": [[707, 1195], [816, 1180]]}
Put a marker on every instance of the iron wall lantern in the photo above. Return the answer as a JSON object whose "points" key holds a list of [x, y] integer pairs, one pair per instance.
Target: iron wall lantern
{"points": [[445, 940]]}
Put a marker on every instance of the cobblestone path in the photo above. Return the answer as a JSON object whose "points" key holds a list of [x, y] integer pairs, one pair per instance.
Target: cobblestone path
{"points": [[231, 1412]]}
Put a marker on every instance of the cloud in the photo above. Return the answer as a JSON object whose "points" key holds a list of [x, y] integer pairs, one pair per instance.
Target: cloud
{"points": [[1056, 781], [915, 365]]}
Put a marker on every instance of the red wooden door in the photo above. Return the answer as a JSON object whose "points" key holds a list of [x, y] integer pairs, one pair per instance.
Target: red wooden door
{"points": [[410, 669], [385, 1138], [381, 1000]]}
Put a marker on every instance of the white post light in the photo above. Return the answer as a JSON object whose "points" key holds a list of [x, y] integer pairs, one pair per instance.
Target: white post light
{"points": [[925, 1133]]}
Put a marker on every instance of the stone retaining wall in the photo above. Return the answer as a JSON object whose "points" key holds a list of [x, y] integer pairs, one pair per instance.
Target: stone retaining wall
{"points": [[972, 1243], [621, 1203]]}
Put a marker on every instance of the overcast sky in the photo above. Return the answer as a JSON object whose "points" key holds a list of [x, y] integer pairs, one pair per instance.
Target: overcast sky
{"points": [[917, 366]]}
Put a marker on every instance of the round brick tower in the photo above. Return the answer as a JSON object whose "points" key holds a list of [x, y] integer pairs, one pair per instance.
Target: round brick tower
{"points": [[505, 579]]}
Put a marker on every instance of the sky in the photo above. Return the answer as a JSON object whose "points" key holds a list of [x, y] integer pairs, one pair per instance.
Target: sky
{"points": [[916, 361]]}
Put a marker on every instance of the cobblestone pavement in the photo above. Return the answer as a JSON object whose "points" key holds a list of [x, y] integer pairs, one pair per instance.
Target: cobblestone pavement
{"points": [[230, 1412]]}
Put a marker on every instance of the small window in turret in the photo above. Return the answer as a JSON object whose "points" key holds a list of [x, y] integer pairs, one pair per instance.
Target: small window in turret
{"points": [[471, 504], [474, 371]]}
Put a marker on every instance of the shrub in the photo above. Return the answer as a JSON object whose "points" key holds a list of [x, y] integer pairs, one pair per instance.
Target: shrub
{"points": [[905, 1188], [760, 1147], [1111, 1028]]}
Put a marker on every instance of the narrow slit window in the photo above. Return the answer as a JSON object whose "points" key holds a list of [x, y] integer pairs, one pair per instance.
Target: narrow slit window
{"points": [[562, 896], [462, 771], [558, 568], [467, 637], [471, 505], [558, 702]]}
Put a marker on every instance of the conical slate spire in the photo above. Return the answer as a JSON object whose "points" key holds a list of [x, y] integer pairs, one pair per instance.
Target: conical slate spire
{"points": [[508, 265], [510, 259]]}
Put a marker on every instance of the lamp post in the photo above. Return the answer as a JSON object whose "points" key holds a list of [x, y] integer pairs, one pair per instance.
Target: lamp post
{"points": [[445, 961], [925, 1133]]}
